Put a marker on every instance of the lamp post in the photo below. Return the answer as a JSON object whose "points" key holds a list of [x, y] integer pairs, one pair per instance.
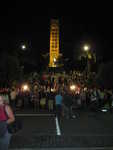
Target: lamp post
{"points": [[86, 48], [23, 48]]}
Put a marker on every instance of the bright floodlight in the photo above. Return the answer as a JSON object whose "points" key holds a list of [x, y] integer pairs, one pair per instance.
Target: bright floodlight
{"points": [[54, 59], [86, 48], [25, 87], [23, 47], [72, 87]]}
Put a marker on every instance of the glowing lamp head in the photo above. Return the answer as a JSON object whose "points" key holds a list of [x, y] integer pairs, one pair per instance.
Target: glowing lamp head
{"points": [[23, 47], [72, 87], [86, 48], [25, 87]]}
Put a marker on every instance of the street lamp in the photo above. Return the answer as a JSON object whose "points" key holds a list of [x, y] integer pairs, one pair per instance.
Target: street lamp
{"points": [[23, 47], [86, 48]]}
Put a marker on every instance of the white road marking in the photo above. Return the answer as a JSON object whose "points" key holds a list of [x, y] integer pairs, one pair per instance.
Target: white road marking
{"points": [[57, 127]]}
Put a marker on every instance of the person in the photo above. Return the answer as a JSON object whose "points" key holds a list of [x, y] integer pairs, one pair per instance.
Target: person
{"points": [[6, 117], [35, 99], [13, 95], [94, 100], [101, 96], [110, 99], [83, 98], [51, 101], [67, 104], [43, 100]]}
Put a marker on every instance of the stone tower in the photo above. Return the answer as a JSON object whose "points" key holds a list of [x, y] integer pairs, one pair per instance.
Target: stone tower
{"points": [[54, 43]]}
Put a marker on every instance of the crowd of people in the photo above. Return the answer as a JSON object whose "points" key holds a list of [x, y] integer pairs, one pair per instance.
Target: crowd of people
{"points": [[40, 94]]}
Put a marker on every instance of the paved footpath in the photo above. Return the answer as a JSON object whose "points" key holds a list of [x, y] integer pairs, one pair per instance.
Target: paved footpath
{"points": [[86, 148], [86, 132]]}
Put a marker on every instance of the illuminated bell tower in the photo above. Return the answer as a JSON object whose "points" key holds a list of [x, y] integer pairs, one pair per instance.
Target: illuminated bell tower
{"points": [[54, 42]]}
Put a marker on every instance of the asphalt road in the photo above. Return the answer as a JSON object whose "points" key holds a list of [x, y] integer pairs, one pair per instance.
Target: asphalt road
{"points": [[88, 129]]}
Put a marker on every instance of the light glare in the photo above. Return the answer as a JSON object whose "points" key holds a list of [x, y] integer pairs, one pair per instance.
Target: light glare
{"points": [[23, 47], [72, 87], [54, 59], [25, 87], [86, 47]]}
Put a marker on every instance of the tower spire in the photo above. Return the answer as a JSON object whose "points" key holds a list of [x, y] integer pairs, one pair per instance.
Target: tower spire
{"points": [[54, 42]]}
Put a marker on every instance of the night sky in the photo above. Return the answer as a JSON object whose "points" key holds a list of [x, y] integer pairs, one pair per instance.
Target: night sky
{"points": [[29, 23]]}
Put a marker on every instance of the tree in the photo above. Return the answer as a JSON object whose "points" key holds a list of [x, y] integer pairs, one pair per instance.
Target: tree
{"points": [[105, 75], [9, 67]]}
